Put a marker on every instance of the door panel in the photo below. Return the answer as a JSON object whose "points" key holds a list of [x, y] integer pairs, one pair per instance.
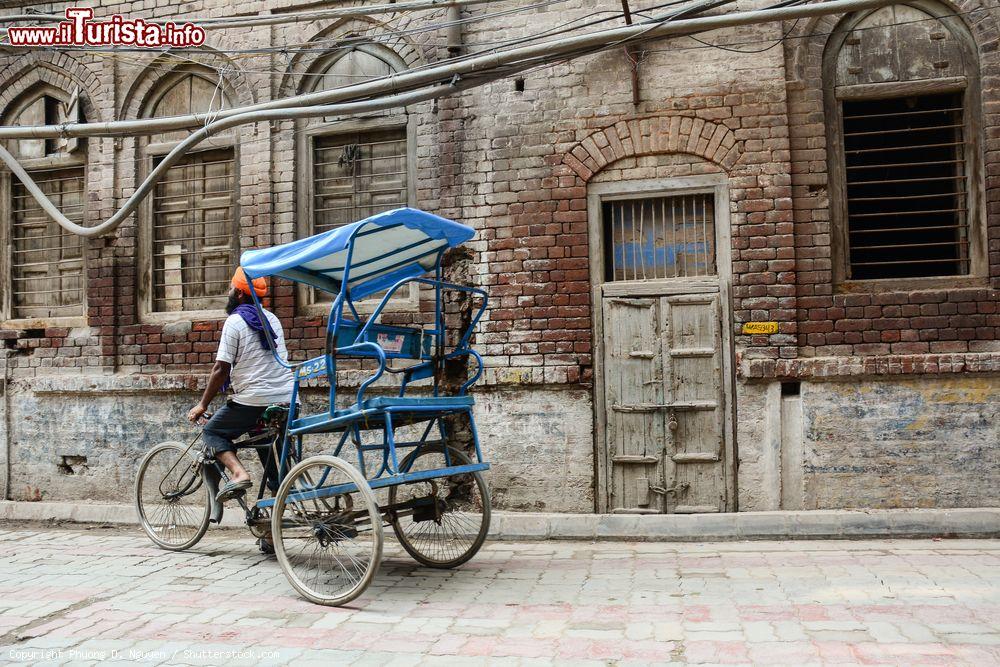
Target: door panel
{"points": [[633, 387]]}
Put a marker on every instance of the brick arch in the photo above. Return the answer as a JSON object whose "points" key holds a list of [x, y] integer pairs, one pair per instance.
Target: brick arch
{"points": [[650, 136], [137, 91], [292, 83], [805, 45], [59, 70]]}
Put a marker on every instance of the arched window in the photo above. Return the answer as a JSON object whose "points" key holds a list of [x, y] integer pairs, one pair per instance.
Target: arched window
{"points": [[352, 168], [902, 96], [45, 280], [190, 227]]}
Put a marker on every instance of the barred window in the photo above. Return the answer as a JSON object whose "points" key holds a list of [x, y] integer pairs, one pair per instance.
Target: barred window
{"points": [[659, 237], [905, 168], [192, 224], [906, 187], [46, 262], [357, 175]]}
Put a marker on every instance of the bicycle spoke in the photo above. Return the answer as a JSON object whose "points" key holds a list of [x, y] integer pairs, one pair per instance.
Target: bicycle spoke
{"points": [[455, 529]]}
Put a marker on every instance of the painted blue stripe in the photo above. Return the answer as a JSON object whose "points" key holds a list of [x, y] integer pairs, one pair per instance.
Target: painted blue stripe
{"points": [[391, 480]]}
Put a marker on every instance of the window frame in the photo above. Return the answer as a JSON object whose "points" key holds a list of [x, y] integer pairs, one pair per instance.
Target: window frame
{"points": [[709, 184], [408, 298], [833, 98], [147, 153], [67, 161]]}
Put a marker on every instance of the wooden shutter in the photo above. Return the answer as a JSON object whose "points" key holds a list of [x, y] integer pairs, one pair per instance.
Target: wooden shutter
{"points": [[194, 233], [357, 175], [47, 261]]}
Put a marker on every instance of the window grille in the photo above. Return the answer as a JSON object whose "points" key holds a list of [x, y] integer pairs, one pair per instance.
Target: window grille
{"points": [[659, 237], [194, 231], [907, 189], [46, 260], [357, 175]]}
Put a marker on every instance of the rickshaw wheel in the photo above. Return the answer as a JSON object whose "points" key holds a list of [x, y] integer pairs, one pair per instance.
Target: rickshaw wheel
{"points": [[450, 526], [171, 498], [330, 547]]}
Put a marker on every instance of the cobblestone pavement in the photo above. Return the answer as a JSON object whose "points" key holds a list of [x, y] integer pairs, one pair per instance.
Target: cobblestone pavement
{"points": [[99, 595]]}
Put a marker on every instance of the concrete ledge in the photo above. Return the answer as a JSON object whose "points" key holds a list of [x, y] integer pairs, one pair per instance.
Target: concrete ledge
{"points": [[818, 524]]}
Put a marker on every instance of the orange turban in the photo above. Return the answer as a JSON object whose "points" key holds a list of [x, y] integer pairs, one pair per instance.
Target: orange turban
{"points": [[239, 281]]}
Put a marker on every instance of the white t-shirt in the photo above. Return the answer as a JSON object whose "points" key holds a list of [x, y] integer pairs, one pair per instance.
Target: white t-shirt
{"points": [[256, 377]]}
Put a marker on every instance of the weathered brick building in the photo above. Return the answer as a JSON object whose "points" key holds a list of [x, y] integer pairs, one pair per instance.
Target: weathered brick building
{"points": [[837, 176]]}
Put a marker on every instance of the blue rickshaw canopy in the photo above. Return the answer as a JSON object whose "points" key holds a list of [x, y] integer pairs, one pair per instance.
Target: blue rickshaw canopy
{"points": [[388, 247]]}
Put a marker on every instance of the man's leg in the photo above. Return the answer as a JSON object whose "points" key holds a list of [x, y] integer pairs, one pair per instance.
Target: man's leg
{"points": [[228, 423]]}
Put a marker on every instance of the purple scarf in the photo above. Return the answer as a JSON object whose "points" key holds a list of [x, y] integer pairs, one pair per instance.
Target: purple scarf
{"points": [[252, 318]]}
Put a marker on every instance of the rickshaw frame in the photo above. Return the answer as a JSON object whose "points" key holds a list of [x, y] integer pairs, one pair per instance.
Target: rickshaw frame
{"points": [[348, 421]]}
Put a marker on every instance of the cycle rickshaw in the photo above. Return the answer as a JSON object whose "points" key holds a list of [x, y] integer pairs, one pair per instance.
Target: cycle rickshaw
{"points": [[324, 518]]}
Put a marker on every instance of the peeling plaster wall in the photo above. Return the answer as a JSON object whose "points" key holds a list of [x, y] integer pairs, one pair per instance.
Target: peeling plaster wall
{"points": [[542, 448], [758, 446], [924, 442], [82, 439], [928, 442]]}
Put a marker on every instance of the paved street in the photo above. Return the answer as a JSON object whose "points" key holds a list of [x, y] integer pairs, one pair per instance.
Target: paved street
{"points": [[102, 595]]}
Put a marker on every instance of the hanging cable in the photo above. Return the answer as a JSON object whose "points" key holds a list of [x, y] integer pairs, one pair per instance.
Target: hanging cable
{"points": [[179, 151], [514, 59], [221, 23]]}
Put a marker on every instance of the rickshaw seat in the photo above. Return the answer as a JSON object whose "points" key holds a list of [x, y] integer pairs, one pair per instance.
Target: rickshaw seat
{"points": [[402, 403]]}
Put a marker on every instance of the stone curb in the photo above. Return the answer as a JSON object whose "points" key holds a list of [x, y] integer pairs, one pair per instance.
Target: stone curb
{"points": [[983, 522]]}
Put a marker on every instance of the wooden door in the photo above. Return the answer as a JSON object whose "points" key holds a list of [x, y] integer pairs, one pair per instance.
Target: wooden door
{"points": [[693, 385], [663, 392], [664, 435]]}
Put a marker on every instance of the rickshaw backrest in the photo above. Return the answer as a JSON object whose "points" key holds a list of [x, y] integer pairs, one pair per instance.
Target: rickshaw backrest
{"points": [[397, 342]]}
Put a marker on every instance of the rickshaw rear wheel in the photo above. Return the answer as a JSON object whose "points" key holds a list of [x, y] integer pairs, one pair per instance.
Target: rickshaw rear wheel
{"points": [[171, 497], [330, 546], [452, 514]]}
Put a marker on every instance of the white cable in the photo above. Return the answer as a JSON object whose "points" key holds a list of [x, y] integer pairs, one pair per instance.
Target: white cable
{"points": [[273, 19], [197, 137]]}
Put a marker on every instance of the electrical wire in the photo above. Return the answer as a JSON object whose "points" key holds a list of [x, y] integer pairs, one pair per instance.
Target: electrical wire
{"points": [[316, 46], [183, 147], [244, 143], [729, 46]]}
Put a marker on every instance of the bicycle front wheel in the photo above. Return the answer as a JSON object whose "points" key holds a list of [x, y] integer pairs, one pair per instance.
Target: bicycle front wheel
{"points": [[171, 498]]}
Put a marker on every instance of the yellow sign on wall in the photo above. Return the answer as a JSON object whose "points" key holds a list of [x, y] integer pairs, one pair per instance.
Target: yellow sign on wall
{"points": [[757, 328]]}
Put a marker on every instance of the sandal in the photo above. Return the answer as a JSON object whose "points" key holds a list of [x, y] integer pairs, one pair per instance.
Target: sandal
{"points": [[233, 489]]}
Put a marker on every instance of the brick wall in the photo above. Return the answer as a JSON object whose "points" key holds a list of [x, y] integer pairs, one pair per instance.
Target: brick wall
{"points": [[952, 317], [516, 165]]}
